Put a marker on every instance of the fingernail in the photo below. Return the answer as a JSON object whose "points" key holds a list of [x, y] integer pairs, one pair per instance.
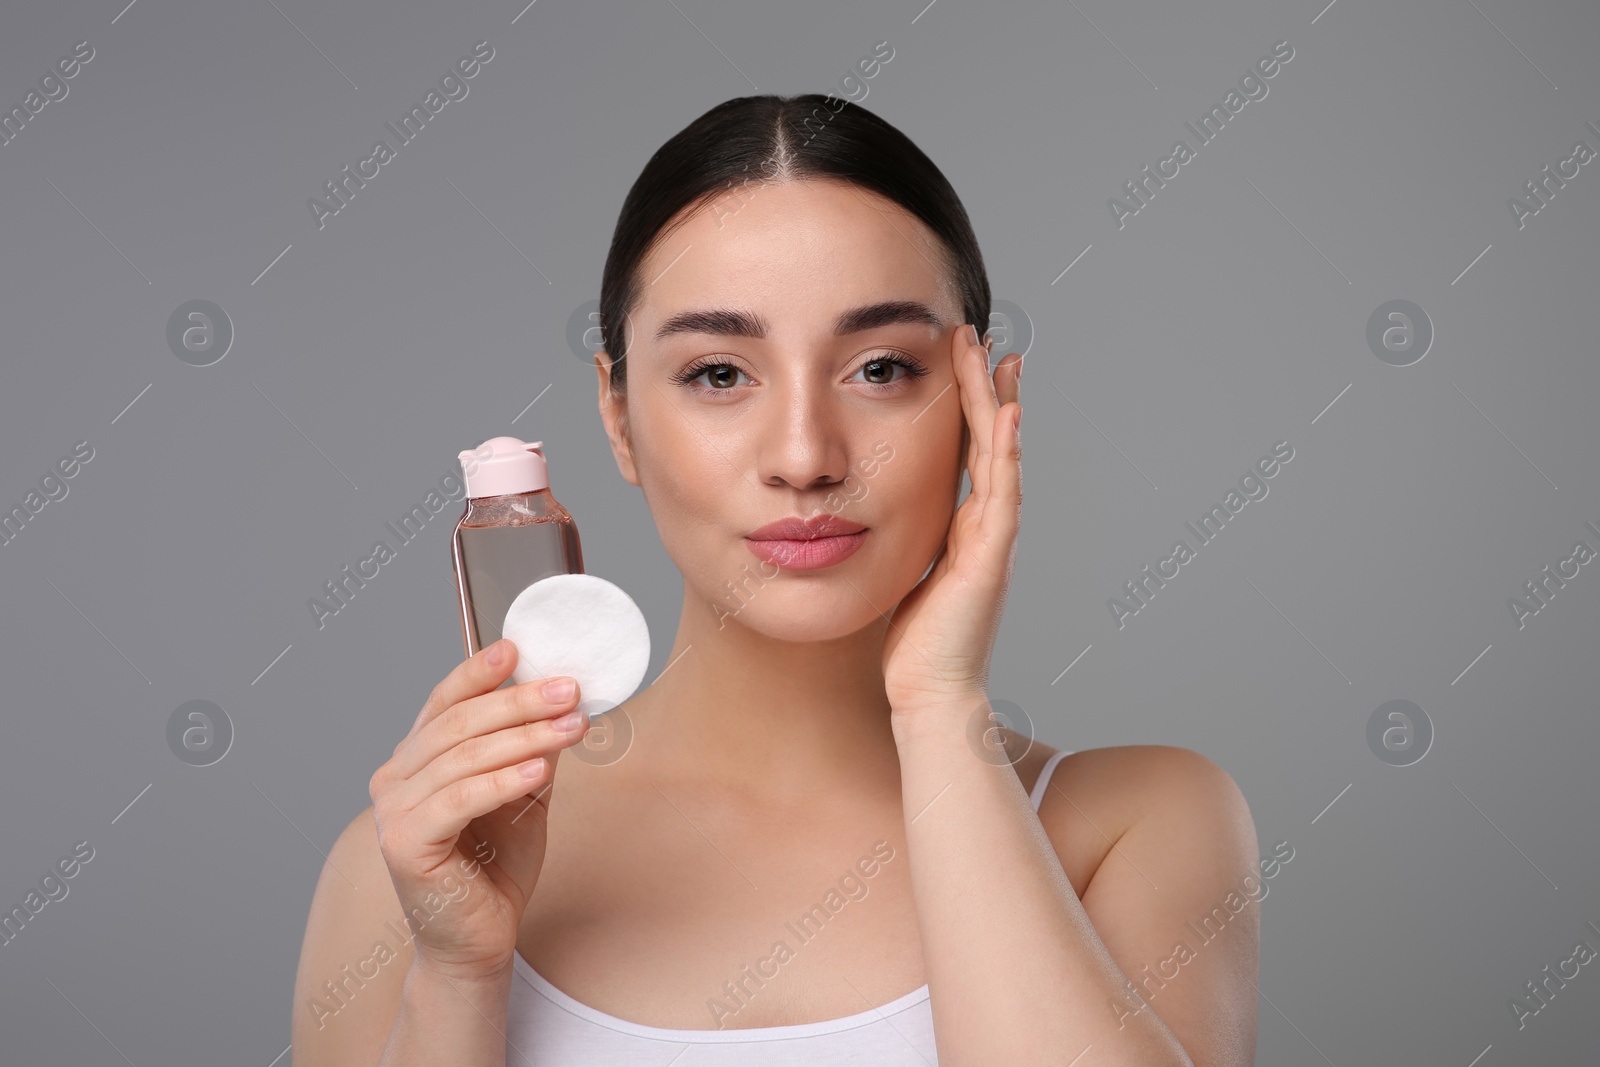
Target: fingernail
{"points": [[972, 332], [497, 653], [558, 689], [569, 721], [533, 768]]}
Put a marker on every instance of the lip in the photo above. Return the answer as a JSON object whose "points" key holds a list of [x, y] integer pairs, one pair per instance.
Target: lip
{"points": [[806, 544], [795, 528]]}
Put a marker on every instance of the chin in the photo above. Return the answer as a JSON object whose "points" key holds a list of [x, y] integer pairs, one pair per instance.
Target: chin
{"points": [[800, 614]]}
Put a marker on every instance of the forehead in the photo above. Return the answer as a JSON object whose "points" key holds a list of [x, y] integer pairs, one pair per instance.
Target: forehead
{"points": [[797, 252]]}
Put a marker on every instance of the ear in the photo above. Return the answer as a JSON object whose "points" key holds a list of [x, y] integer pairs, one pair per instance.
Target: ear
{"points": [[614, 415]]}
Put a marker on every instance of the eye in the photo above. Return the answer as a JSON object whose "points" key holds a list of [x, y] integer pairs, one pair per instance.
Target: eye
{"points": [[724, 376], [721, 375], [880, 371]]}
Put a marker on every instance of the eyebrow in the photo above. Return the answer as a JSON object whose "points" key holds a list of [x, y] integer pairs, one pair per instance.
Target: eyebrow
{"points": [[728, 322]]}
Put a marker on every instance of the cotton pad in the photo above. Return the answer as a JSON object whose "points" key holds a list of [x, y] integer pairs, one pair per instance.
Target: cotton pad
{"points": [[584, 627]]}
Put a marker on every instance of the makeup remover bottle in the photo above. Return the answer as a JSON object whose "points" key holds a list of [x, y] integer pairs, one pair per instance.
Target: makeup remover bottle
{"points": [[512, 534]]}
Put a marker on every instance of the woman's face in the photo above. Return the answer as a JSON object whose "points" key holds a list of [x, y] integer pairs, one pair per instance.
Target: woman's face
{"points": [[790, 356]]}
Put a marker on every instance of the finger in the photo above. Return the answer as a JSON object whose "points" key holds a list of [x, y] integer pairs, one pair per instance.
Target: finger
{"points": [[480, 673], [958, 342], [444, 814], [1008, 379], [489, 752], [986, 345], [1002, 509], [1006, 384], [971, 365], [475, 716], [984, 407]]}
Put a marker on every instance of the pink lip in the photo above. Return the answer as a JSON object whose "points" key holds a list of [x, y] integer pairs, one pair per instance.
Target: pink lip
{"points": [[806, 544], [808, 554], [798, 529]]}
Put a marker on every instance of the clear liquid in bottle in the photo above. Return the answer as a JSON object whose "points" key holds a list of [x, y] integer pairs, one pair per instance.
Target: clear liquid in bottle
{"points": [[512, 533]]}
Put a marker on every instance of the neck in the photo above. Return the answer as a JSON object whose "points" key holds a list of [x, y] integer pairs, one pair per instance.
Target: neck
{"points": [[748, 713]]}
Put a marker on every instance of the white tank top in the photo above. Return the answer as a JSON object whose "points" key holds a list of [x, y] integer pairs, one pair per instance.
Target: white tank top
{"points": [[547, 1028]]}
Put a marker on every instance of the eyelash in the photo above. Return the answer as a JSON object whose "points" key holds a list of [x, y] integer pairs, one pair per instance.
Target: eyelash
{"points": [[913, 368]]}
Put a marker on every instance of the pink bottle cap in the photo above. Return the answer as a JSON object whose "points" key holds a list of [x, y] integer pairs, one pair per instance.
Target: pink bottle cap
{"points": [[503, 466]]}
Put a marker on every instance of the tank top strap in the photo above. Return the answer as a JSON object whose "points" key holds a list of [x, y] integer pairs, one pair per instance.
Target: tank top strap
{"points": [[1043, 783]]}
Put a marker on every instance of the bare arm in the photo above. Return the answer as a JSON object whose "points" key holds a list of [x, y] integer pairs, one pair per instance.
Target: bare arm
{"points": [[1177, 898], [361, 996], [1023, 972]]}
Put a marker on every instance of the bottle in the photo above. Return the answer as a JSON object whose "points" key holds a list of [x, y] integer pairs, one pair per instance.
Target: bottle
{"points": [[512, 533]]}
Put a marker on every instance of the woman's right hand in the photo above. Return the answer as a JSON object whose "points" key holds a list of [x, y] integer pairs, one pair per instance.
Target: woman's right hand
{"points": [[462, 810]]}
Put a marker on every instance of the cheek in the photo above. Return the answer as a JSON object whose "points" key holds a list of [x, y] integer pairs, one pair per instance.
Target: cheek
{"points": [[917, 490], [689, 487], [685, 483]]}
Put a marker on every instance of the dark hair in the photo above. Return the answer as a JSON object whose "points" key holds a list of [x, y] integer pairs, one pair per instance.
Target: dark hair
{"points": [[778, 138]]}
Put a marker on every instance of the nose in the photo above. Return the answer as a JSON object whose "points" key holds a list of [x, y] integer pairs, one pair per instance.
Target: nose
{"points": [[803, 441]]}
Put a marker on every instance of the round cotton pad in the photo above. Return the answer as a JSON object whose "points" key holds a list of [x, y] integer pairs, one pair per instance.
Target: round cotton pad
{"points": [[586, 628]]}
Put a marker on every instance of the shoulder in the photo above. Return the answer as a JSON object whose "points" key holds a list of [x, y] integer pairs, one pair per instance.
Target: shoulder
{"points": [[1095, 796], [1141, 776], [1131, 777], [1129, 784], [1155, 839], [355, 878], [355, 852]]}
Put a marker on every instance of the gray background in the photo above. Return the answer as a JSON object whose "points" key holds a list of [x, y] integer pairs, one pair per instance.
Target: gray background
{"points": [[1228, 315]]}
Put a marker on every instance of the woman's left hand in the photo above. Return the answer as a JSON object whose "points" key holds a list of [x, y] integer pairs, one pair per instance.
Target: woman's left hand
{"points": [[942, 634]]}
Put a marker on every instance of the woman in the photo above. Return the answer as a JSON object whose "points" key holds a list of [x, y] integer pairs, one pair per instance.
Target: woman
{"points": [[813, 852]]}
